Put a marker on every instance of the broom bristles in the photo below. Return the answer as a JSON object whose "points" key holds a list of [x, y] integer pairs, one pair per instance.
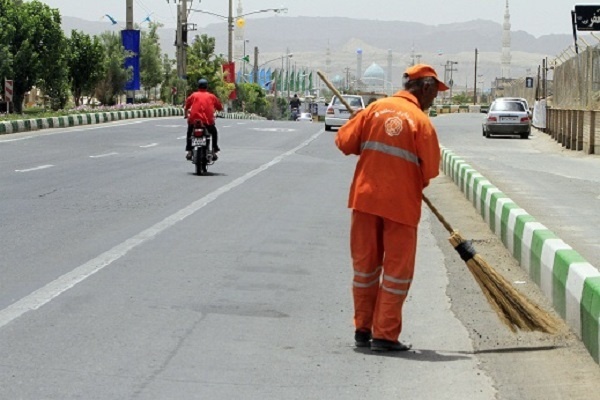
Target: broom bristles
{"points": [[514, 309]]}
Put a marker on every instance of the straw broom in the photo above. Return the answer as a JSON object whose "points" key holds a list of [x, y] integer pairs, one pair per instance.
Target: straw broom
{"points": [[514, 309]]}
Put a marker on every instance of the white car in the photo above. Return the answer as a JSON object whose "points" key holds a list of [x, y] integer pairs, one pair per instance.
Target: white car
{"points": [[305, 117], [337, 114], [507, 118]]}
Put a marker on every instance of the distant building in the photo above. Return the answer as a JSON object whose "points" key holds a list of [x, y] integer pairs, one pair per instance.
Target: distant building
{"points": [[374, 79]]}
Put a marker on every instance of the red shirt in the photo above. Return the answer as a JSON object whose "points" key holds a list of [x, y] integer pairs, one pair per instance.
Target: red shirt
{"points": [[202, 105]]}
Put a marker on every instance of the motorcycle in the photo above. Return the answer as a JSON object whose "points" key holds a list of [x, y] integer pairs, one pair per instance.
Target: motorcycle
{"points": [[202, 154], [295, 114]]}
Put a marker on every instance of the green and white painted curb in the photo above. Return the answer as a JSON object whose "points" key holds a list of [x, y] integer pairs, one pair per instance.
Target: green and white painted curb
{"points": [[85, 119], [564, 276], [102, 117]]}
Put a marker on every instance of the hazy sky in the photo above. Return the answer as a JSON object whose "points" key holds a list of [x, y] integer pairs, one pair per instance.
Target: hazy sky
{"points": [[537, 17]]}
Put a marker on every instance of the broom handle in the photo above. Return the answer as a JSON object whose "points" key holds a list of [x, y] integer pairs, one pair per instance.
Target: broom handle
{"points": [[438, 215], [335, 91]]}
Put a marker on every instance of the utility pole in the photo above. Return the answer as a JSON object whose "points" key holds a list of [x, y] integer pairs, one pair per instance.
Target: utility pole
{"points": [[129, 26], [230, 32], [475, 79], [450, 68], [181, 38]]}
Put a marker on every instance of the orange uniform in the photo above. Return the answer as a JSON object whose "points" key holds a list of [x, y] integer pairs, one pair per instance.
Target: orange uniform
{"points": [[399, 154]]}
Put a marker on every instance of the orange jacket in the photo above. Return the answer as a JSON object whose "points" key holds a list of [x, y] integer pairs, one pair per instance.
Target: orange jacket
{"points": [[202, 105], [399, 154]]}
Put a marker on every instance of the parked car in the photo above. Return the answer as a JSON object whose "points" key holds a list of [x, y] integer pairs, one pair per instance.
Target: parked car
{"points": [[305, 117], [507, 117], [522, 100], [337, 114]]}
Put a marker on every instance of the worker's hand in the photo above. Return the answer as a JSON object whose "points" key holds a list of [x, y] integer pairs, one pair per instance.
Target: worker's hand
{"points": [[355, 113]]}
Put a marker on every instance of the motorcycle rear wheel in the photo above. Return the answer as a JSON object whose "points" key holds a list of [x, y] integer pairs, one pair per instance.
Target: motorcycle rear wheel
{"points": [[201, 161]]}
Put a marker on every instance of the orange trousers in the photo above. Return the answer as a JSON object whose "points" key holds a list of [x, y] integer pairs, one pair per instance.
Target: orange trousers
{"points": [[383, 256]]}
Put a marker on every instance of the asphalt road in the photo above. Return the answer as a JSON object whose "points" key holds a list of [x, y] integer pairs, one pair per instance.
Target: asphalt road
{"points": [[125, 276]]}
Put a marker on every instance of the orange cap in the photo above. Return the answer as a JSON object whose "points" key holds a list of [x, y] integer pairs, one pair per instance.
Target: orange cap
{"points": [[423, 71]]}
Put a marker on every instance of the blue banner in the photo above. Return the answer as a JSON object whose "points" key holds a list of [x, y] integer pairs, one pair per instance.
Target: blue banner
{"points": [[131, 43]]}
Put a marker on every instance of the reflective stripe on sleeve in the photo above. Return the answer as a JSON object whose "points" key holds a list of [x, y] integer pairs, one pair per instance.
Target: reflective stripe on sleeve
{"points": [[391, 150]]}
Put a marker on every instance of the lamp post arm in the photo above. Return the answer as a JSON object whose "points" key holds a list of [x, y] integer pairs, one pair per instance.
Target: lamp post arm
{"points": [[277, 10], [209, 13]]}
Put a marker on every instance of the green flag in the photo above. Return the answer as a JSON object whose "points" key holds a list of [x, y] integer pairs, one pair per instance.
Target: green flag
{"points": [[310, 82], [303, 83], [292, 81]]}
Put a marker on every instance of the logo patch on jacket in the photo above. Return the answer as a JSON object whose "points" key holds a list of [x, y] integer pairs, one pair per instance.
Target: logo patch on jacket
{"points": [[393, 126]]}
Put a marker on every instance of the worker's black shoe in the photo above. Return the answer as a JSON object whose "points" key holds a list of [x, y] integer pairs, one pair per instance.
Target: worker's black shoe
{"points": [[362, 338], [388, 345]]}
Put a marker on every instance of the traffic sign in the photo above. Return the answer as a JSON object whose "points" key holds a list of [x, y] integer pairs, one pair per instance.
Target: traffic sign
{"points": [[529, 82], [8, 90]]}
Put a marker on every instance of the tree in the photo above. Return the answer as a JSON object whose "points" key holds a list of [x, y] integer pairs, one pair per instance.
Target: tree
{"points": [[203, 63], [151, 73], [35, 47], [87, 64], [115, 76], [7, 32], [251, 98]]}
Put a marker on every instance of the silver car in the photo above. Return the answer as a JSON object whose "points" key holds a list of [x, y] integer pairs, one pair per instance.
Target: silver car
{"points": [[337, 114], [507, 117]]}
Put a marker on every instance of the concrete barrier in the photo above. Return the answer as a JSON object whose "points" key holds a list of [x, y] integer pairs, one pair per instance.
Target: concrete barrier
{"points": [[564, 276]]}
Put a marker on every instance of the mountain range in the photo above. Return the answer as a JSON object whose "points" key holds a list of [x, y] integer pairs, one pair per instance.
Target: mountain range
{"points": [[310, 39]]}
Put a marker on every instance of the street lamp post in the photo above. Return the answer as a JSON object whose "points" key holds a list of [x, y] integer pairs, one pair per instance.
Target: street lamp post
{"points": [[288, 56], [244, 59]]}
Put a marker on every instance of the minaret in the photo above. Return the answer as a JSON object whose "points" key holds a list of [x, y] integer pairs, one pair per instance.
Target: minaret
{"points": [[328, 60], [238, 37], [358, 67], [506, 44], [388, 78]]}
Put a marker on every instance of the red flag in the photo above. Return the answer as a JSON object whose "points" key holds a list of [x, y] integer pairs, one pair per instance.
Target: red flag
{"points": [[229, 70]]}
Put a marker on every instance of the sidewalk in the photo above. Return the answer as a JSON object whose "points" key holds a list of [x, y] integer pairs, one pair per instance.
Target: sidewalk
{"points": [[570, 282]]}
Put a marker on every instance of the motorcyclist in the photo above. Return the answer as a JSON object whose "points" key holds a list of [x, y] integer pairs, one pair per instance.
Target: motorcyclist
{"points": [[295, 106], [201, 105]]}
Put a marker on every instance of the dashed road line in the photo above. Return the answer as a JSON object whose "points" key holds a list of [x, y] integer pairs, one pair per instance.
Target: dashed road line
{"points": [[35, 168], [104, 155]]}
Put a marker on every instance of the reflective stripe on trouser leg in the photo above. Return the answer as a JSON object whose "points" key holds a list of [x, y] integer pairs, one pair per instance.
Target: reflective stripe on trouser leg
{"points": [[366, 248], [400, 247]]}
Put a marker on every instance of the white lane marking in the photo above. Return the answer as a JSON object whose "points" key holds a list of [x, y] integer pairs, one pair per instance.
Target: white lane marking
{"points": [[274, 129], [149, 145], [182, 137], [67, 281], [170, 126], [34, 169], [104, 155]]}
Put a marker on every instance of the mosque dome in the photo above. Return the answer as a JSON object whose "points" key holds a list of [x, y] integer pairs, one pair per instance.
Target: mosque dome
{"points": [[374, 71], [337, 80]]}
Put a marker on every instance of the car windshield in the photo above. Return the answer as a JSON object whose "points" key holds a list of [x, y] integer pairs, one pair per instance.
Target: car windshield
{"points": [[353, 101], [507, 106]]}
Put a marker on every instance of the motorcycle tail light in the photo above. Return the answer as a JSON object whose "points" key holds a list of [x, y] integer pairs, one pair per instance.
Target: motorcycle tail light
{"points": [[198, 132]]}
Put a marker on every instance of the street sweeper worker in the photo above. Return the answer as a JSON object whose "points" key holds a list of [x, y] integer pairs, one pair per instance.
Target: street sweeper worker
{"points": [[398, 154]]}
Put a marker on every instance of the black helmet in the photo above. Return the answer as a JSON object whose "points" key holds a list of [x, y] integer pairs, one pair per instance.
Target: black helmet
{"points": [[202, 84]]}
